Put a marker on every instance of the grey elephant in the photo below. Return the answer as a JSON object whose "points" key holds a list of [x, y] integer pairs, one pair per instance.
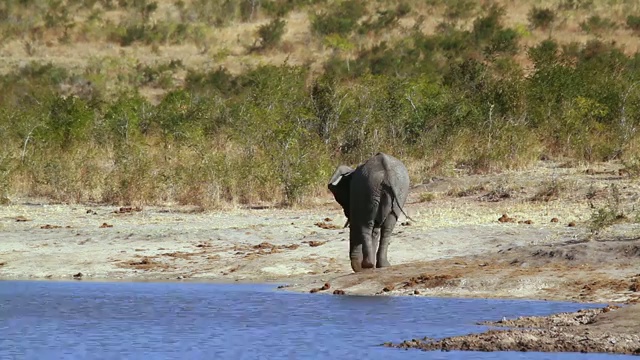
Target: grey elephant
{"points": [[372, 196]]}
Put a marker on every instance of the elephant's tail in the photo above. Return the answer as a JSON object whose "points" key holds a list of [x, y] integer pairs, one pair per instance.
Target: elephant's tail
{"points": [[387, 170], [401, 209], [395, 197]]}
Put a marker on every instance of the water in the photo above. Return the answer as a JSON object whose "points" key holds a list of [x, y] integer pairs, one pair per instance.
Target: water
{"points": [[100, 320]]}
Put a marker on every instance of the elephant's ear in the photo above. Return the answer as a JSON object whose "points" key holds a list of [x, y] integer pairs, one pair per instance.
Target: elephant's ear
{"points": [[340, 180], [343, 172], [340, 187]]}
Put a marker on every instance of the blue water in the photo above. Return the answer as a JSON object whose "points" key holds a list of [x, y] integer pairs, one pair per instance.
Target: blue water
{"points": [[100, 320]]}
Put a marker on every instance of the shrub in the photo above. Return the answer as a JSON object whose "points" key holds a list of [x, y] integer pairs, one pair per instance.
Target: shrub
{"points": [[459, 9], [485, 27], [541, 18], [544, 54], [220, 80], [609, 214], [159, 75], [384, 20], [597, 25], [503, 41], [128, 118], [67, 121], [633, 22], [270, 34]]}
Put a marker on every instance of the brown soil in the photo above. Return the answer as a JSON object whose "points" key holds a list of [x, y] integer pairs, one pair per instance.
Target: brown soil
{"points": [[457, 246]]}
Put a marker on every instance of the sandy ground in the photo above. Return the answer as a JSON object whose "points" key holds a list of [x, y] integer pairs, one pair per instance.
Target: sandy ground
{"points": [[542, 249]]}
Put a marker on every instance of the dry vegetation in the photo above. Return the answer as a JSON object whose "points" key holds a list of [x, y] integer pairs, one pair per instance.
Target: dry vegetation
{"points": [[224, 102]]}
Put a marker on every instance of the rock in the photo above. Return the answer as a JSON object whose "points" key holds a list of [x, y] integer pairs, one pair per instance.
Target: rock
{"points": [[127, 209], [554, 220], [314, 290], [314, 243], [77, 276], [338, 292], [505, 218], [327, 226], [326, 286], [571, 224]]}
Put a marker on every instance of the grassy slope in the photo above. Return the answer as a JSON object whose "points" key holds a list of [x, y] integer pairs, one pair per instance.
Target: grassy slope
{"points": [[228, 46]]}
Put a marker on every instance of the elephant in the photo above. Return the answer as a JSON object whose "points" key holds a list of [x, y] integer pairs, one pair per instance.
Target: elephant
{"points": [[372, 196]]}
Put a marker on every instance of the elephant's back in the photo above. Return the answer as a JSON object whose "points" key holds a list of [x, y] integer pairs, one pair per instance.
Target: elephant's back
{"points": [[397, 175], [393, 167], [385, 168]]}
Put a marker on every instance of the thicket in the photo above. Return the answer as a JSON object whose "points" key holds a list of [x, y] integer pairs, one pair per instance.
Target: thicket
{"points": [[456, 99]]}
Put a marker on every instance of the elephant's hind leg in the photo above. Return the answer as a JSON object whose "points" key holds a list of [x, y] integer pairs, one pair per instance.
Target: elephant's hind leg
{"points": [[355, 254], [361, 246], [385, 239], [368, 248]]}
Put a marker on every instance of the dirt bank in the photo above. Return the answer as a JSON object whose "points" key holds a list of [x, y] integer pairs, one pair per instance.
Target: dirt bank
{"points": [[528, 234], [604, 330]]}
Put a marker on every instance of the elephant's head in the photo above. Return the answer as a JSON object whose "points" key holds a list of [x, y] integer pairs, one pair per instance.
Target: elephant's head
{"points": [[339, 185]]}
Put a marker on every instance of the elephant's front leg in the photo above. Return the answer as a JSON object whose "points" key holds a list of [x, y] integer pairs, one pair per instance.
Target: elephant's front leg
{"points": [[385, 239]]}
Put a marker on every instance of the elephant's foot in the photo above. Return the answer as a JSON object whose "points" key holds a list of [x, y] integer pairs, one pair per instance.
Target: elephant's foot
{"points": [[382, 263], [366, 264]]}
